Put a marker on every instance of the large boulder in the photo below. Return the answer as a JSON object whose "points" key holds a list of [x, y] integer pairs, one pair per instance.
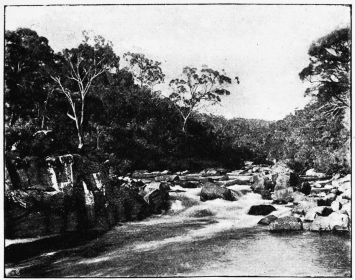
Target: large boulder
{"points": [[344, 187], [306, 188], [334, 222], [288, 223], [267, 220], [297, 197], [336, 206], [261, 210], [283, 191], [295, 180], [346, 194], [125, 203], [258, 183], [190, 184], [317, 211], [212, 191], [304, 206], [157, 196], [340, 182], [346, 209]]}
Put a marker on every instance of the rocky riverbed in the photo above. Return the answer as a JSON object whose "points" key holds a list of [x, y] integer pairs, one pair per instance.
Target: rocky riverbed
{"points": [[212, 209]]}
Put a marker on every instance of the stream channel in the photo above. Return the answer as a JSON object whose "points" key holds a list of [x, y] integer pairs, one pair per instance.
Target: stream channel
{"points": [[194, 238]]}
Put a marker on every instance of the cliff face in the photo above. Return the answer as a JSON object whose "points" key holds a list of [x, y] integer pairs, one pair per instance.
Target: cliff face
{"points": [[66, 193]]}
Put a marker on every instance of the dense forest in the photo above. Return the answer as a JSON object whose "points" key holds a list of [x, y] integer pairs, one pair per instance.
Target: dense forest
{"points": [[82, 101]]}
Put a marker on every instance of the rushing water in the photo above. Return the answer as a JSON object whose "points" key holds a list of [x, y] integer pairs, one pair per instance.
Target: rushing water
{"points": [[212, 238]]}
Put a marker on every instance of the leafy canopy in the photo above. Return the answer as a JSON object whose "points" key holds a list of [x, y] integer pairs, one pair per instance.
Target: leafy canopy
{"points": [[329, 71]]}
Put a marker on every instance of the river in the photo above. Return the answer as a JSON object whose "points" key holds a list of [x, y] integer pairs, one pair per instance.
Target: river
{"points": [[212, 238]]}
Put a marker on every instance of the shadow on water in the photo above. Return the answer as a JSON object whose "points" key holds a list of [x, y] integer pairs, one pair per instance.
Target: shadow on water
{"points": [[18, 252], [215, 238], [114, 253]]}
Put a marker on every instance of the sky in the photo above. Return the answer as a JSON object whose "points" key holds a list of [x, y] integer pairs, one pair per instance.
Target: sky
{"points": [[264, 45]]}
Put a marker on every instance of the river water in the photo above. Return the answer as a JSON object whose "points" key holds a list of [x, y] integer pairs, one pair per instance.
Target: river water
{"points": [[212, 238]]}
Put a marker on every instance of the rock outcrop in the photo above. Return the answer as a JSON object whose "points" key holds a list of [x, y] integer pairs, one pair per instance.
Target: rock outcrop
{"points": [[261, 210], [288, 223], [212, 191]]}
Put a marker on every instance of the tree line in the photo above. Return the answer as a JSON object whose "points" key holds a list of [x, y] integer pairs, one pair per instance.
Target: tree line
{"points": [[81, 101]]}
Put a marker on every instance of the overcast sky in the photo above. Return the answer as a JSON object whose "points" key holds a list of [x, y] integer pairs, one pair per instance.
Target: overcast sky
{"points": [[265, 46]]}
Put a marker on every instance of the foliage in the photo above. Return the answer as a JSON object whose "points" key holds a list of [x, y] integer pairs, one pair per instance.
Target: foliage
{"points": [[145, 71], [197, 90], [329, 71], [26, 84], [125, 124]]}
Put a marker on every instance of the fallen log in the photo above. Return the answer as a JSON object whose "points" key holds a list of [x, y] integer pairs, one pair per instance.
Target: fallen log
{"points": [[306, 178]]}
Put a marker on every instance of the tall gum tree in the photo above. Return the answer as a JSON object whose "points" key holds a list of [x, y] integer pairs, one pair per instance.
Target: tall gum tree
{"points": [[198, 89], [77, 72], [146, 72], [329, 72]]}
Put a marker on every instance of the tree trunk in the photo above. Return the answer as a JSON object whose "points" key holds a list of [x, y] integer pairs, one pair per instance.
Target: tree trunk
{"points": [[98, 142], [80, 136], [184, 124], [81, 143]]}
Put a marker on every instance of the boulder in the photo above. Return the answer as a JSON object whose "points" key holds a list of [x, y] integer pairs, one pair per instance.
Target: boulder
{"points": [[316, 185], [339, 222], [337, 182], [236, 194], [283, 192], [267, 220], [190, 184], [261, 210], [320, 224], [344, 187], [346, 209], [280, 167], [295, 180], [282, 195], [212, 191], [324, 202], [317, 211], [346, 194], [265, 194], [342, 200], [156, 200], [336, 206], [210, 172], [304, 206], [331, 197], [334, 222], [167, 178], [297, 197], [288, 223], [306, 188]]}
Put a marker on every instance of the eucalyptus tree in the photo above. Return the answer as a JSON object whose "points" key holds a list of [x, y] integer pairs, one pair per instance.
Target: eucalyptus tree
{"points": [[146, 72], [329, 71], [78, 71], [198, 89]]}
